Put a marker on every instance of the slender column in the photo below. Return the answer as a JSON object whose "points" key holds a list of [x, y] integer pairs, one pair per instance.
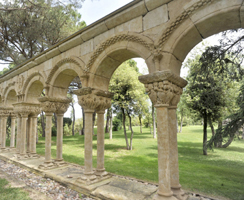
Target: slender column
{"points": [[174, 166], [100, 144], [164, 188], [19, 122], [12, 139], [88, 172], [4, 124], [48, 138], [59, 156], [28, 134], [1, 131], [22, 144], [33, 126]]}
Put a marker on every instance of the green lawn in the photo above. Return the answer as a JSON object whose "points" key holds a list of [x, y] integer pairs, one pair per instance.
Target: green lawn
{"points": [[8, 193], [221, 173]]}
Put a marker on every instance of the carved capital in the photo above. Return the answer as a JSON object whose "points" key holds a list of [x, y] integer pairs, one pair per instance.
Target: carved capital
{"points": [[164, 88], [92, 99], [54, 105], [6, 111], [24, 109]]}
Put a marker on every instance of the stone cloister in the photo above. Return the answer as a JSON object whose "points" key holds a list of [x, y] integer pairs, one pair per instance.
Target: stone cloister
{"points": [[162, 32]]}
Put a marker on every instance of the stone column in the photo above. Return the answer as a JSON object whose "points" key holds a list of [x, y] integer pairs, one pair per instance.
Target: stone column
{"points": [[28, 134], [104, 103], [61, 108], [22, 143], [160, 87], [32, 144], [1, 131], [12, 139], [19, 122], [90, 99], [48, 142], [3, 126]]}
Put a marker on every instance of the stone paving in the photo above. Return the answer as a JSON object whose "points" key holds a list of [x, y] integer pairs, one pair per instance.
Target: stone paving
{"points": [[61, 183]]}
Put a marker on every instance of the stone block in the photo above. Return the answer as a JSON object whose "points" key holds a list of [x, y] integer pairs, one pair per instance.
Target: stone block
{"points": [[135, 11], [86, 47], [40, 59], [94, 31], [77, 40], [103, 37], [134, 25], [152, 4], [52, 53], [155, 17]]}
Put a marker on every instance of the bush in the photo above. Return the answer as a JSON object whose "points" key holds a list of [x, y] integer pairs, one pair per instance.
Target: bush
{"points": [[116, 124]]}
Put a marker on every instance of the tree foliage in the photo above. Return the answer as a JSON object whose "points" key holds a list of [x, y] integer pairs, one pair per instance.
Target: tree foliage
{"points": [[28, 27]]}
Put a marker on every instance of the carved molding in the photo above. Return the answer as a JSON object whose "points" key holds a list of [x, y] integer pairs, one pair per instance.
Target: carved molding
{"points": [[27, 81], [113, 40], [73, 60], [6, 89], [93, 99], [184, 15]]}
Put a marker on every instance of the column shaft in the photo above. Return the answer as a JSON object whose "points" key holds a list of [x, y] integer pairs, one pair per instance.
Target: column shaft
{"points": [[88, 142], [12, 139], [19, 120], [4, 124], [1, 131], [28, 134], [163, 153], [59, 156], [33, 120], [48, 137], [174, 166], [100, 142], [23, 135]]}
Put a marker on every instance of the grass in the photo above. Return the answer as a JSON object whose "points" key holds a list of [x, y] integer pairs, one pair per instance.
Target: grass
{"points": [[8, 193], [218, 174]]}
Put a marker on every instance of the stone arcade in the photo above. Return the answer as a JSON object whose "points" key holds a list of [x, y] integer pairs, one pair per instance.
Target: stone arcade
{"points": [[162, 32]]}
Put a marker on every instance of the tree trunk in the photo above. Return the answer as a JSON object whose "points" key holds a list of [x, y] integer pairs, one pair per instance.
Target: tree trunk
{"points": [[43, 124], [93, 123], [126, 138], [140, 125], [228, 143], [73, 118], [83, 116], [111, 127], [219, 144], [132, 133], [181, 123], [154, 122], [107, 122], [205, 134], [213, 131], [55, 119]]}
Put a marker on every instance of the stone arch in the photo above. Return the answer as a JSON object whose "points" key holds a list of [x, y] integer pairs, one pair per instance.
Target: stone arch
{"points": [[10, 96], [198, 22], [33, 87], [62, 74], [114, 51], [72, 60]]}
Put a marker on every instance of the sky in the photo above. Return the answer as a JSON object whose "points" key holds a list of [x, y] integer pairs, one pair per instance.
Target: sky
{"points": [[93, 10]]}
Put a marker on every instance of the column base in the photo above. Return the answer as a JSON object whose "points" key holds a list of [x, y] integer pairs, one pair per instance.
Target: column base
{"points": [[179, 193], [33, 155], [87, 178], [3, 150], [60, 162], [47, 165], [101, 172], [161, 197], [22, 156]]}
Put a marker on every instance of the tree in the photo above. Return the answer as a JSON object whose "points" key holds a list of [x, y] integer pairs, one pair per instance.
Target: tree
{"points": [[28, 27], [127, 91]]}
